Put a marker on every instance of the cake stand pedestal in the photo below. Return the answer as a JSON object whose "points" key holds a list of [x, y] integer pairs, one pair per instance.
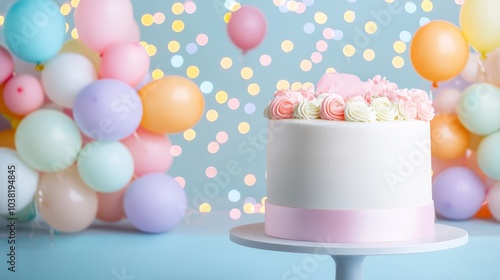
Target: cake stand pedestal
{"points": [[349, 257]]}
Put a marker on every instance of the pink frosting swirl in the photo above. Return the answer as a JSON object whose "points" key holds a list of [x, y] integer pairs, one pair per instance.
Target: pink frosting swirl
{"points": [[281, 108], [294, 96], [307, 93], [332, 108], [420, 98]]}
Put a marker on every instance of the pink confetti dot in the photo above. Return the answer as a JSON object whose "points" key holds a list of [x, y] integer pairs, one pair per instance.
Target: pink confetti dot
{"points": [[211, 172], [221, 137], [181, 181], [233, 104], [300, 8], [159, 18], [202, 39], [235, 214], [257, 207], [321, 46], [175, 150], [213, 147], [265, 60], [316, 57], [189, 7], [328, 33]]}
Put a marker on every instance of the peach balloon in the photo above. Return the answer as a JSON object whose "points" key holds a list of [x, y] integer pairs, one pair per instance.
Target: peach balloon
{"points": [[171, 104], [439, 165], [110, 206], [484, 212], [449, 139], [439, 51], [7, 139]]}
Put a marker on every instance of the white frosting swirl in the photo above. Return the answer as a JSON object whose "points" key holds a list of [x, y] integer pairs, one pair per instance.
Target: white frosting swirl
{"points": [[359, 111], [384, 109], [307, 109]]}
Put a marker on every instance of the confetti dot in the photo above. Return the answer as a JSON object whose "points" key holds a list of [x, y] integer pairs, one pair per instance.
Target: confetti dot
{"points": [[227, 17], [157, 74], [174, 46], [234, 196], [212, 115], [316, 57], [321, 46], [263, 200], [398, 62], [235, 214], [226, 62], [2, 21], [213, 147], [65, 9], [265, 60], [202, 39], [308, 3], [191, 48], [257, 208], [305, 65], [244, 127], [308, 85], [296, 86], [427, 6], [287, 46], [309, 28], [159, 18], [368, 54], [399, 47], [249, 108], [278, 3], [177, 61], [459, 2], [192, 72], [250, 180], [349, 16], [233, 104], [253, 89], [410, 7], [250, 200], [190, 7], [320, 17], [211, 172], [370, 27], [221, 97], [206, 87], [221, 137], [74, 34], [338, 35], [291, 5], [282, 84], [177, 8], [405, 36], [181, 181], [330, 70], [283, 9], [301, 8], [177, 25], [424, 21], [249, 208], [175, 150], [349, 50], [74, 3], [235, 6], [189, 134], [147, 19], [246, 73], [151, 50], [205, 208], [328, 33]]}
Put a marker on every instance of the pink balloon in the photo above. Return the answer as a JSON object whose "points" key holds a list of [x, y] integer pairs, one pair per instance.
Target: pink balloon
{"points": [[151, 152], [103, 23], [128, 62], [446, 101], [135, 32], [110, 206], [7, 64], [439, 165], [247, 27], [23, 94]]}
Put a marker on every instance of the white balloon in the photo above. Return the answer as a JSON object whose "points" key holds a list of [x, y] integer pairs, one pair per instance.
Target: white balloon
{"points": [[17, 181], [446, 100], [493, 199], [471, 69], [65, 75]]}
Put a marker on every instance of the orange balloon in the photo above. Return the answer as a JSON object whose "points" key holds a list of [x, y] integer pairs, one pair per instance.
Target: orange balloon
{"points": [[439, 51], [484, 212], [475, 140], [171, 104], [449, 139], [7, 139]]}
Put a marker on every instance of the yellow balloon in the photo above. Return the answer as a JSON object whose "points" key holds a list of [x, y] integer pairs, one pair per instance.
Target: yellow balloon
{"points": [[480, 23], [76, 46]]}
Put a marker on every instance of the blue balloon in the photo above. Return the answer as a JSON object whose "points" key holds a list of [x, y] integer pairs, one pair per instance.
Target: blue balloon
{"points": [[34, 30]]}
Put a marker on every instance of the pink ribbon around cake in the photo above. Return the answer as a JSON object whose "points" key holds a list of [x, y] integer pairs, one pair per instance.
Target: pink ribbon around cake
{"points": [[349, 226]]}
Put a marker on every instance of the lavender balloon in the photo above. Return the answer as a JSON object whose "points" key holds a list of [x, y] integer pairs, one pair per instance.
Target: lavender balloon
{"points": [[108, 110], [155, 203], [458, 193], [458, 83]]}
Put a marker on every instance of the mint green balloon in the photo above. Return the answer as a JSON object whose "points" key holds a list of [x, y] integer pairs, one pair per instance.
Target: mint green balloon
{"points": [[106, 166], [479, 108], [488, 155], [48, 140]]}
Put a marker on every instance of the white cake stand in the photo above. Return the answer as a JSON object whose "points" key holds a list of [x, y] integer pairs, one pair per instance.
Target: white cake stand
{"points": [[349, 257]]}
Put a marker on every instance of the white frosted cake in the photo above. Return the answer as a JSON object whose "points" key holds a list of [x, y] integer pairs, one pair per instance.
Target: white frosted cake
{"points": [[349, 162]]}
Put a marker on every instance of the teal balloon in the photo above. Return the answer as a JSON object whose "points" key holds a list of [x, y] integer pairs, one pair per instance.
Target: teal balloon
{"points": [[48, 140], [106, 166], [25, 215], [34, 30], [479, 108], [488, 155]]}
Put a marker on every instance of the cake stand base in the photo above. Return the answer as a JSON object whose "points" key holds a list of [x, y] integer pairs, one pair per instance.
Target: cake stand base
{"points": [[349, 257]]}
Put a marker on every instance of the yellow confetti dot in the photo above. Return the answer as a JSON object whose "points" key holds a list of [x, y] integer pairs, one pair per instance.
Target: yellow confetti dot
{"points": [[244, 127], [174, 46], [292, 5], [427, 6], [287, 46], [192, 72], [2, 20], [212, 115], [370, 27], [151, 50], [278, 3], [189, 134], [75, 3], [331, 70], [308, 85], [349, 50], [65, 9], [250, 180], [74, 34], [282, 84], [296, 86], [249, 208], [349, 16], [147, 19], [305, 65], [368, 54], [177, 25], [253, 89], [262, 209], [263, 200], [389, 1], [320, 18], [205, 208], [221, 97], [226, 62], [246, 73], [177, 8], [227, 17], [157, 74], [398, 62], [236, 6], [143, 44], [399, 47], [66, 25]]}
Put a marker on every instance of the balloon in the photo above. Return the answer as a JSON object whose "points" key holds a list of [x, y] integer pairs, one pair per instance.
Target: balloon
{"points": [[65, 76], [439, 165], [478, 108], [34, 30], [475, 140], [145, 80], [493, 199], [106, 166], [4, 123], [458, 193], [447, 100], [108, 110], [16, 177], [135, 32], [484, 212], [76, 46], [488, 155], [48, 140], [110, 206], [23, 94], [155, 203], [127, 62], [472, 68], [247, 27], [7, 62], [457, 83], [65, 202], [480, 24], [151, 152], [438, 51], [4, 110], [172, 104], [449, 139], [7, 139], [473, 165], [103, 23]]}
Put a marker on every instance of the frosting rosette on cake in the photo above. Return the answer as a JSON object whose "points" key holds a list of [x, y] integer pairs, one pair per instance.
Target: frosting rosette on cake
{"points": [[332, 107]]}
